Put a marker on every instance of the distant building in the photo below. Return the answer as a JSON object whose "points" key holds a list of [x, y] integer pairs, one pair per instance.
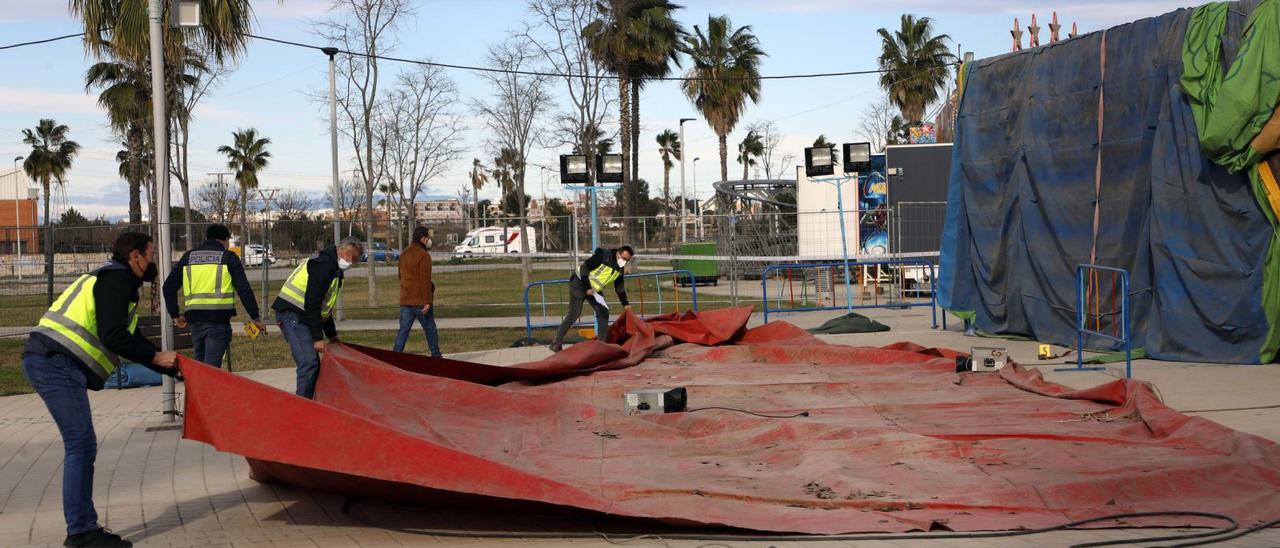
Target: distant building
{"points": [[19, 220], [438, 211]]}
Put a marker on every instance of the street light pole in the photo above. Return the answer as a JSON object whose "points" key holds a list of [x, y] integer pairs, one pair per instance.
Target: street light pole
{"points": [[683, 149], [17, 219], [161, 143], [697, 224], [333, 154]]}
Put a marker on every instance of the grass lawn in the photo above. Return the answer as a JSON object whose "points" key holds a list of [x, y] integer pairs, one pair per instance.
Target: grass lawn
{"points": [[271, 351], [474, 294]]}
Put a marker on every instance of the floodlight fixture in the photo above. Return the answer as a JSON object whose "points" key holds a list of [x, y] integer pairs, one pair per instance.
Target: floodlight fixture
{"points": [[186, 13], [857, 157], [818, 162], [573, 169], [609, 168]]}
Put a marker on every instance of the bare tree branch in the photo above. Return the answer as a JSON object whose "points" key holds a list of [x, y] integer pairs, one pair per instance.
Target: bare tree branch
{"points": [[555, 35], [367, 27], [511, 115]]}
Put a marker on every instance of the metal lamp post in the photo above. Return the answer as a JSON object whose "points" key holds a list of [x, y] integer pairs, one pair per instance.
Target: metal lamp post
{"points": [[333, 155], [186, 13], [819, 166], [683, 219], [17, 219], [697, 204]]}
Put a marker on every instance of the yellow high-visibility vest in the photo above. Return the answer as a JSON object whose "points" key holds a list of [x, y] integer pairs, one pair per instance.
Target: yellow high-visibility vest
{"points": [[294, 290], [72, 322], [206, 283], [602, 276]]}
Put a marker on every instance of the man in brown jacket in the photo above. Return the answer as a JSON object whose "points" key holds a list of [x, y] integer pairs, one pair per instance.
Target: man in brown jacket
{"points": [[416, 291]]}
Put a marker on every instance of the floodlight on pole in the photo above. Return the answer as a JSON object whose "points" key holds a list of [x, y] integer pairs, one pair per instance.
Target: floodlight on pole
{"points": [[819, 166], [857, 157], [682, 194], [574, 175]]}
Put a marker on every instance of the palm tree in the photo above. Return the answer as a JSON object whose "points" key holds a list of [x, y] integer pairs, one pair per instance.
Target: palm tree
{"points": [[634, 39], [50, 158], [669, 151], [136, 166], [661, 50], [751, 147], [126, 96], [725, 73], [121, 29], [478, 179], [246, 156], [914, 64]]}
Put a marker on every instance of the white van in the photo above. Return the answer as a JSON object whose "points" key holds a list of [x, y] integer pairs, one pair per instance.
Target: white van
{"points": [[494, 239]]}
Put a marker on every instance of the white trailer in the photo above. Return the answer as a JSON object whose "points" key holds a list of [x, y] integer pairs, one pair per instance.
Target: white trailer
{"points": [[496, 239]]}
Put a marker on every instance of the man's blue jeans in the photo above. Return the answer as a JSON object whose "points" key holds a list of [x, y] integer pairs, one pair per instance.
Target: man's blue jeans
{"points": [[410, 313], [209, 341], [298, 335], [63, 386]]}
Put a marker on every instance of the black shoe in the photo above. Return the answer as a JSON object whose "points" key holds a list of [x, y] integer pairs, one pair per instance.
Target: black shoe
{"points": [[556, 347], [99, 537]]}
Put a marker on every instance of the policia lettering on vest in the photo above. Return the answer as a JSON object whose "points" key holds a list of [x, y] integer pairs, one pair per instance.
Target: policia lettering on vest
{"points": [[304, 308], [605, 267], [78, 343], [209, 278]]}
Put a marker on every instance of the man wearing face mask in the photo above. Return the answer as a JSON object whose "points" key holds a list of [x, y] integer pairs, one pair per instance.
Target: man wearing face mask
{"points": [[603, 268], [304, 308], [74, 348], [416, 292]]}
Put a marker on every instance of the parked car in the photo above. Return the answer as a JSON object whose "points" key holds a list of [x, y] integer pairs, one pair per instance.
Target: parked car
{"points": [[378, 252], [254, 254]]}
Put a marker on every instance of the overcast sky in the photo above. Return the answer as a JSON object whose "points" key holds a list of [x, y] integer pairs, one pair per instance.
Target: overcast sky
{"points": [[269, 89]]}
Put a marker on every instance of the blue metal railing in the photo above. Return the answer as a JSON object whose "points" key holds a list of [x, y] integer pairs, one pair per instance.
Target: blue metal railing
{"points": [[542, 288], [933, 295], [1082, 313]]}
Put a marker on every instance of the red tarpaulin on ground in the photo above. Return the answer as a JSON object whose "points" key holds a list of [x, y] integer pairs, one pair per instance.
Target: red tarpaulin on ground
{"points": [[895, 440]]}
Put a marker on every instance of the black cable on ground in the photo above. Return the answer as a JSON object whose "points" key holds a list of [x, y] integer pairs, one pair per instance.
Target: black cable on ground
{"points": [[1230, 536], [800, 414], [1232, 527]]}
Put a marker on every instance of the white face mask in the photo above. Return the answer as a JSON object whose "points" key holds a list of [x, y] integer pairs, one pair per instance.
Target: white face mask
{"points": [[622, 263], [343, 263], [428, 243]]}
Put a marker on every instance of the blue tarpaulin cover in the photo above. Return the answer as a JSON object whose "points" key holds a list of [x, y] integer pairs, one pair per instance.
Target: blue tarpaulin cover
{"points": [[1025, 175]]}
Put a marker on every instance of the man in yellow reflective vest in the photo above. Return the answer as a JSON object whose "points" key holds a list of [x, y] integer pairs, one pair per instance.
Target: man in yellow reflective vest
{"points": [[74, 348], [604, 268], [209, 276], [304, 308]]}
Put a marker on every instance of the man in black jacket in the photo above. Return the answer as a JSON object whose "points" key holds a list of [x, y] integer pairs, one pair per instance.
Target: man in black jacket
{"points": [[207, 276], [304, 308], [602, 269], [74, 348]]}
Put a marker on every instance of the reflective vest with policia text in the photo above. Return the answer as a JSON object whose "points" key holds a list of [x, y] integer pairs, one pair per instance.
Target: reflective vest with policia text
{"points": [[294, 290], [72, 322], [206, 284], [602, 276]]}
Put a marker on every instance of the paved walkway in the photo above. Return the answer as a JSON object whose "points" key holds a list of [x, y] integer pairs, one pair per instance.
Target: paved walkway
{"points": [[159, 490]]}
